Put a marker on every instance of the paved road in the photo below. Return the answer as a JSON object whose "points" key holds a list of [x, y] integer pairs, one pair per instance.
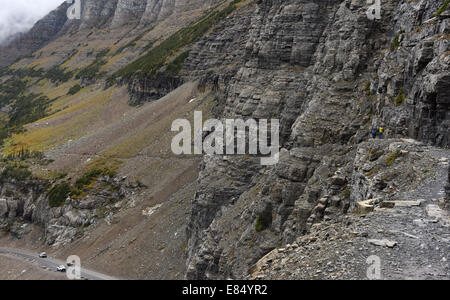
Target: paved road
{"points": [[50, 264]]}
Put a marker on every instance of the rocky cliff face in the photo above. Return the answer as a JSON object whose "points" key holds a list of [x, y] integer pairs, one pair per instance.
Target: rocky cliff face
{"points": [[329, 74], [127, 11], [42, 32], [27, 202], [326, 71], [156, 10], [447, 192], [417, 69], [143, 12], [144, 89], [97, 14]]}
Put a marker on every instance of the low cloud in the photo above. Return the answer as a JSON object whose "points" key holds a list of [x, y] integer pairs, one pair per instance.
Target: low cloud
{"points": [[20, 15]]}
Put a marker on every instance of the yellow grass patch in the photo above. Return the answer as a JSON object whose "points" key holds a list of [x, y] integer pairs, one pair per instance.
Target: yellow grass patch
{"points": [[40, 62], [52, 91], [75, 119], [84, 100]]}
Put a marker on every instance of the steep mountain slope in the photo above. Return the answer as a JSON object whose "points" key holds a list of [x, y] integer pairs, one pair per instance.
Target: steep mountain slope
{"points": [[128, 179], [89, 113], [42, 32], [328, 91]]}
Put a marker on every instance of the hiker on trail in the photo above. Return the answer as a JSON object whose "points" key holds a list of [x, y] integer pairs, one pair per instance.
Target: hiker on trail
{"points": [[381, 132], [374, 133]]}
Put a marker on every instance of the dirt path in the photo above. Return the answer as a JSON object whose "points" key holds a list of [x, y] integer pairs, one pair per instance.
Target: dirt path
{"points": [[405, 242], [422, 233]]}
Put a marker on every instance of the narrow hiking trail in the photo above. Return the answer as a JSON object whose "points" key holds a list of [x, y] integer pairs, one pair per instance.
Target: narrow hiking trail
{"points": [[422, 233], [409, 241]]}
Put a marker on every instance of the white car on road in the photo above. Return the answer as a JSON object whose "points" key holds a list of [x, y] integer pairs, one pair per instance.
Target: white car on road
{"points": [[61, 269], [43, 255]]}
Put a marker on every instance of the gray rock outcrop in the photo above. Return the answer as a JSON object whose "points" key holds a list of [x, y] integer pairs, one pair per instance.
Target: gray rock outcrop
{"points": [[128, 10], [329, 74], [27, 202], [447, 192], [96, 12], [42, 32]]}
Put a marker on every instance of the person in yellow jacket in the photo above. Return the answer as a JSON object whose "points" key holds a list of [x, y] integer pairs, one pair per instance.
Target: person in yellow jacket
{"points": [[381, 132]]}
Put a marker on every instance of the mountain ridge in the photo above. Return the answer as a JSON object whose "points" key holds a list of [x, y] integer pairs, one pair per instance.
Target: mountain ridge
{"points": [[87, 164]]}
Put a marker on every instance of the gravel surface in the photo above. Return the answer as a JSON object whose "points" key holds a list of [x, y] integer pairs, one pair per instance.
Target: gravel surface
{"points": [[410, 242]]}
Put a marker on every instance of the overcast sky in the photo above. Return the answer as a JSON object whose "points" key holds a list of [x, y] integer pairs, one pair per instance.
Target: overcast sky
{"points": [[20, 15]]}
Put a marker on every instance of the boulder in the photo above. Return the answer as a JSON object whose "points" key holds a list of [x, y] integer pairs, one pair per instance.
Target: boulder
{"points": [[383, 243], [366, 206]]}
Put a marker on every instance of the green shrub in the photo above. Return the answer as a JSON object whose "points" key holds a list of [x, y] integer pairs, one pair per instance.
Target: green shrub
{"points": [[11, 89], [4, 71], [442, 8], [102, 212], [401, 97], [58, 194], [61, 175], [24, 108], [261, 224], [102, 53], [17, 172], [28, 109], [92, 71], [367, 87], [175, 66], [391, 158], [24, 154], [130, 44], [58, 75], [347, 194], [88, 178], [157, 57], [73, 90], [396, 41], [27, 72]]}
